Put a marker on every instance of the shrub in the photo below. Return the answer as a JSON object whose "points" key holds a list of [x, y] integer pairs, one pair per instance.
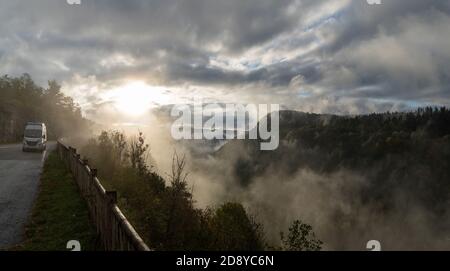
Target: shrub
{"points": [[300, 238]]}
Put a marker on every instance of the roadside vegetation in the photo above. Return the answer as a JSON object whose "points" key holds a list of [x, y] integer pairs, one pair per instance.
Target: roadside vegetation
{"points": [[163, 210], [60, 214]]}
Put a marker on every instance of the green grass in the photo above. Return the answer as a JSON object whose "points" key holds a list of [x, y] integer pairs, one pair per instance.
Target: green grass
{"points": [[60, 213]]}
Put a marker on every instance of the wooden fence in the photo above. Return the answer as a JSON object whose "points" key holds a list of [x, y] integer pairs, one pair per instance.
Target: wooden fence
{"points": [[112, 226]]}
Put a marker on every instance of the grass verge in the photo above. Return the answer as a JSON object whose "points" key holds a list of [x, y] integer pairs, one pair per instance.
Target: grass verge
{"points": [[60, 213]]}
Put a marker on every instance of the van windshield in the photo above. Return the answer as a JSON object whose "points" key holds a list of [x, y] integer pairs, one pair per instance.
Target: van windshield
{"points": [[33, 133]]}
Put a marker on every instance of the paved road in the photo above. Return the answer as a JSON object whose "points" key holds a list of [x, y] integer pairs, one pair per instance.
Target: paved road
{"points": [[19, 180]]}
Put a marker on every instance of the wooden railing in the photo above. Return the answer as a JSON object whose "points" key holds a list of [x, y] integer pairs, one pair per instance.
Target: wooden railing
{"points": [[112, 226]]}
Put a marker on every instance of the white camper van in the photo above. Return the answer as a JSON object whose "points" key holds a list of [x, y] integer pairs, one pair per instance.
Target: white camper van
{"points": [[35, 137]]}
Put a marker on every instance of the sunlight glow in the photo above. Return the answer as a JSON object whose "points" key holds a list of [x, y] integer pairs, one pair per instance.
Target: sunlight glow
{"points": [[136, 98]]}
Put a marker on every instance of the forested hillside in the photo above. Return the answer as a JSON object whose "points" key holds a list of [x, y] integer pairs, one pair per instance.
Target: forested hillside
{"points": [[21, 100], [360, 141], [375, 172]]}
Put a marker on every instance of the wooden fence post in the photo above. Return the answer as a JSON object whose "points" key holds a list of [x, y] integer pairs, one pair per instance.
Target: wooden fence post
{"points": [[112, 226]]}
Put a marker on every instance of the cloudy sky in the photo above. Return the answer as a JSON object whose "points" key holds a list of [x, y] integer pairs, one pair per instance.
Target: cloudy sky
{"points": [[339, 56]]}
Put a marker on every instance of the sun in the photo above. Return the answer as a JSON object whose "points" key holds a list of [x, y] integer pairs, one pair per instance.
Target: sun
{"points": [[136, 98]]}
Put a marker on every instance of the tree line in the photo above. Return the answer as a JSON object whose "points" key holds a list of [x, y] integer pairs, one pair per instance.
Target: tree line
{"points": [[22, 100]]}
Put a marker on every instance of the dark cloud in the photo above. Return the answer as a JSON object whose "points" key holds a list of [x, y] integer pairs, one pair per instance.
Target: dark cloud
{"points": [[397, 52]]}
